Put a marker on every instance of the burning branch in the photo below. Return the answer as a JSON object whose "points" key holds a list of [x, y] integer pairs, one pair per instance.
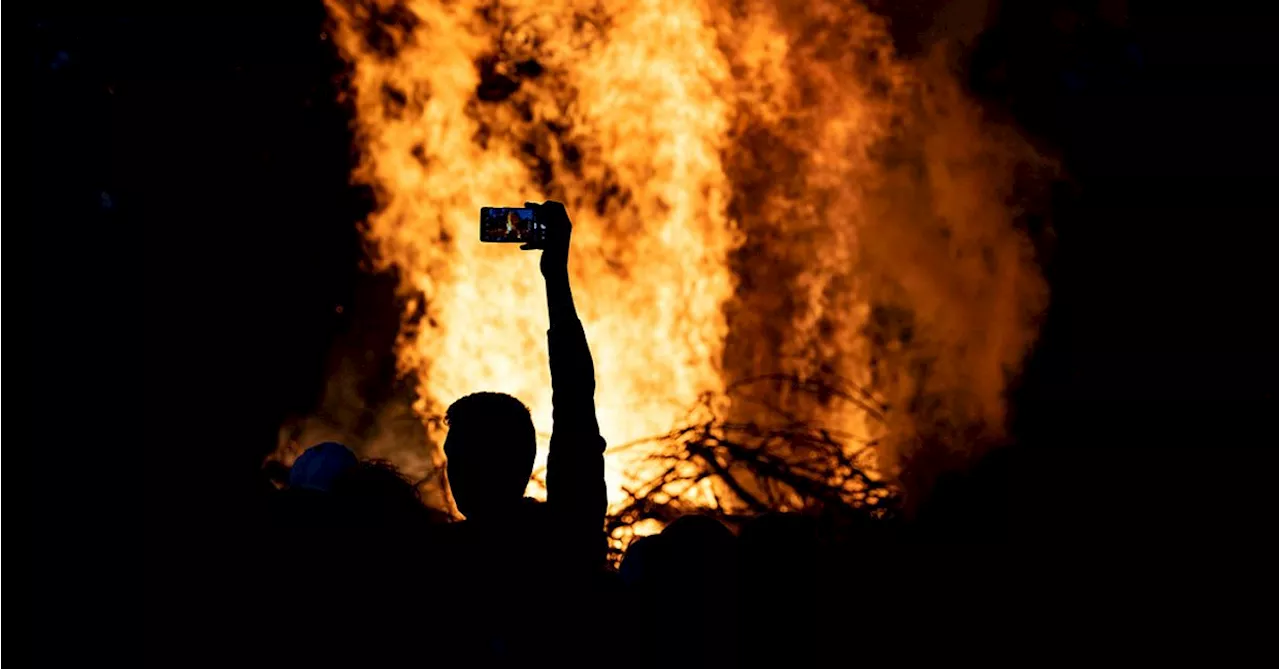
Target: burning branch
{"points": [[777, 462]]}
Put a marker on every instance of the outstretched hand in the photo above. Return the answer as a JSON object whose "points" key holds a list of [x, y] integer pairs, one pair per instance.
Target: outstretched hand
{"points": [[555, 246]]}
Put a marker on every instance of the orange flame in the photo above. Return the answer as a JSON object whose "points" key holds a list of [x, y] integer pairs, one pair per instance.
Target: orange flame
{"points": [[753, 183]]}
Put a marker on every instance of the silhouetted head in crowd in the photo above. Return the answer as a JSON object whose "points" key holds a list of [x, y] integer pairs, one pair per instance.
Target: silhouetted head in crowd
{"points": [[490, 449], [693, 554], [640, 562], [700, 541], [319, 466], [692, 560], [306, 500], [375, 493]]}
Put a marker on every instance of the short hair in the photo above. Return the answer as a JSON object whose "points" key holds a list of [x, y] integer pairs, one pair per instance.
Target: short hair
{"points": [[485, 406], [491, 446]]}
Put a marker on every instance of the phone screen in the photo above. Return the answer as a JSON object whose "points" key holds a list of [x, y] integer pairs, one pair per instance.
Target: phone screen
{"points": [[509, 224]]}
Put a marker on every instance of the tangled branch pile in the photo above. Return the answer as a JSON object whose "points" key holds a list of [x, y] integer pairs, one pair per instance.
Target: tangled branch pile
{"points": [[734, 470]]}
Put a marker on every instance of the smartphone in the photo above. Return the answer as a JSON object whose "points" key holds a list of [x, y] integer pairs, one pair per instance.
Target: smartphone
{"points": [[510, 224]]}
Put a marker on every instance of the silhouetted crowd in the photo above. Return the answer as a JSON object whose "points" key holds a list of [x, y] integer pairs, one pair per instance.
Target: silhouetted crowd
{"points": [[361, 573]]}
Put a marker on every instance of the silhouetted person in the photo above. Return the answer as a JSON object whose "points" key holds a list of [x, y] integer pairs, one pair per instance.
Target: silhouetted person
{"points": [[307, 501], [640, 565], [319, 466], [374, 494], [350, 532], [680, 590], [510, 548], [780, 621], [490, 446]]}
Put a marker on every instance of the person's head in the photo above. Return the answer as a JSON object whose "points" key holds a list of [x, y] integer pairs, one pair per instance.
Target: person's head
{"points": [[703, 548], [490, 449], [692, 554], [319, 466], [693, 558], [641, 562], [375, 493]]}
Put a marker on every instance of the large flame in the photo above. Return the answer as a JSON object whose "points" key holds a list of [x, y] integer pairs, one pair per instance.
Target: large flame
{"points": [[757, 186]]}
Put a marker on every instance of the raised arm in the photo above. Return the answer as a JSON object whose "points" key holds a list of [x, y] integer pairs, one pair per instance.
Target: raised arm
{"points": [[575, 466]]}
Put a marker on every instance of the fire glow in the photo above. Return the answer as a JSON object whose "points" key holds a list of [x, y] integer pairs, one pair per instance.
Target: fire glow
{"points": [[757, 187]]}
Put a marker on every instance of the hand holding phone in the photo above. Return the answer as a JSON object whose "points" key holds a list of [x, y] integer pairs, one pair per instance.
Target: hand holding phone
{"points": [[556, 230]]}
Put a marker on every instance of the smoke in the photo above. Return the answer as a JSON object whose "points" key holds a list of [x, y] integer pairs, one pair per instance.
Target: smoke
{"points": [[364, 403], [952, 276], [883, 240]]}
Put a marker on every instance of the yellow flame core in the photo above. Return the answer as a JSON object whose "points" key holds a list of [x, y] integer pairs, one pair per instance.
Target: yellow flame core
{"points": [[685, 136]]}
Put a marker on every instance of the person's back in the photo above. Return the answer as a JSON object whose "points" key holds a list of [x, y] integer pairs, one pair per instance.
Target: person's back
{"points": [[511, 554], [780, 571]]}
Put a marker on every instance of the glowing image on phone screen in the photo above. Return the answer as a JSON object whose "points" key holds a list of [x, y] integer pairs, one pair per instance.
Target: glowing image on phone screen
{"points": [[508, 224]]}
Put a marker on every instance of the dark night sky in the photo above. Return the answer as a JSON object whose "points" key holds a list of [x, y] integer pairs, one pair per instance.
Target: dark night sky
{"points": [[197, 309]]}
